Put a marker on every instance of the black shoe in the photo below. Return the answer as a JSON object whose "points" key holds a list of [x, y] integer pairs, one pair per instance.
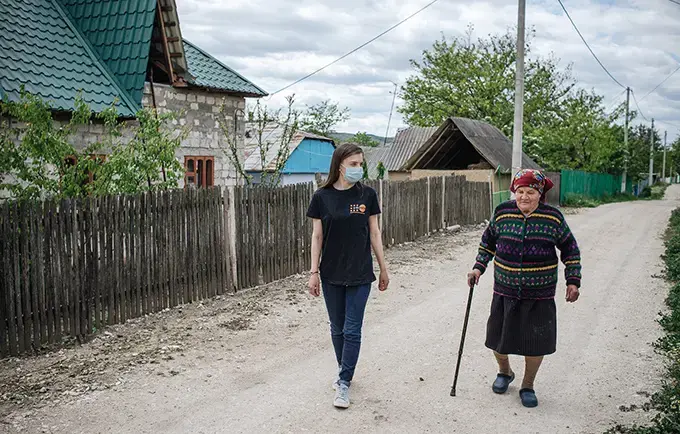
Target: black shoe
{"points": [[528, 397], [502, 382]]}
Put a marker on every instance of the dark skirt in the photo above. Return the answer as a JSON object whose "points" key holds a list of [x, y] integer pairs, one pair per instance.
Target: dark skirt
{"points": [[522, 327]]}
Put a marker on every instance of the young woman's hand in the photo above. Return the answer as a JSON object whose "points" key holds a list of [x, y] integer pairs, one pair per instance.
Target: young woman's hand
{"points": [[384, 280], [314, 285]]}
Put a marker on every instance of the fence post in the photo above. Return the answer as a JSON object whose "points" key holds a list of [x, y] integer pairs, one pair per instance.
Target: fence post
{"points": [[490, 197], [382, 208], [443, 202], [428, 205], [230, 221]]}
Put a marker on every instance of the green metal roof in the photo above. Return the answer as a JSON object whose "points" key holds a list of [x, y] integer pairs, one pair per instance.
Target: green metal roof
{"points": [[46, 53], [208, 72], [120, 32], [100, 48]]}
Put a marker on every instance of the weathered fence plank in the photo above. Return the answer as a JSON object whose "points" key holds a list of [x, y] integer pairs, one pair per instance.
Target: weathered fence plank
{"points": [[5, 283]]}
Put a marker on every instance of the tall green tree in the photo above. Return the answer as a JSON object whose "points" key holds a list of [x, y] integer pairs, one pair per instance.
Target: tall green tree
{"points": [[564, 126], [321, 118], [476, 79], [580, 136], [639, 147], [363, 139], [673, 158]]}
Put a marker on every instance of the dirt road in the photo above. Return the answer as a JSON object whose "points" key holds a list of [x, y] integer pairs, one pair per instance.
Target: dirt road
{"points": [[206, 369]]}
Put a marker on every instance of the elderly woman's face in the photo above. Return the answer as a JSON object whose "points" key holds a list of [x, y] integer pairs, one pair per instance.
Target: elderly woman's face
{"points": [[527, 199]]}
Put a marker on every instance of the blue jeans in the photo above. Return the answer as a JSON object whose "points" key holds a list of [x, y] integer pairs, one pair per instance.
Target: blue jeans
{"points": [[346, 306]]}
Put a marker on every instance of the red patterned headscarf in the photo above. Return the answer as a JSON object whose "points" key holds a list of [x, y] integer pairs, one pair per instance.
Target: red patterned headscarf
{"points": [[533, 179]]}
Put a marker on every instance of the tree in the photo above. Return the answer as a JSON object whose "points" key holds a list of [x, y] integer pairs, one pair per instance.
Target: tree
{"points": [[39, 160], [673, 158], [638, 144], [321, 118], [363, 139], [564, 127], [147, 162], [581, 136], [263, 121], [459, 77], [364, 166]]}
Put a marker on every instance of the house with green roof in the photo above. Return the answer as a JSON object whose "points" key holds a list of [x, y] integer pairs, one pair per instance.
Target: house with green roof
{"points": [[127, 52]]}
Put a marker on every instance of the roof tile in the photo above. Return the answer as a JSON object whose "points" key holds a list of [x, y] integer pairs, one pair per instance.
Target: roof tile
{"points": [[210, 73], [41, 50], [57, 48], [120, 32]]}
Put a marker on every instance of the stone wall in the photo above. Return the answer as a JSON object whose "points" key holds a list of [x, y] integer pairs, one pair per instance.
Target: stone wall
{"points": [[199, 111]]}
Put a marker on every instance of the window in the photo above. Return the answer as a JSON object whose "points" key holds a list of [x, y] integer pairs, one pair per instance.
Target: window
{"points": [[72, 160], [199, 171]]}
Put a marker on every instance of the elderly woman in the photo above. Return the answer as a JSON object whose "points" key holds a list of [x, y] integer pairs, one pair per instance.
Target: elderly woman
{"points": [[522, 237]]}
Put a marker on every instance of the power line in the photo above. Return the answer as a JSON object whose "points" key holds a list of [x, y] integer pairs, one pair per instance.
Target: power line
{"points": [[588, 46], [638, 106], [675, 1], [658, 85], [356, 49], [611, 109]]}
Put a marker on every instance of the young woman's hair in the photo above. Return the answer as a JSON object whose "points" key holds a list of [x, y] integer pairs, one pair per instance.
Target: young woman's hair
{"points": [[341, 152]]}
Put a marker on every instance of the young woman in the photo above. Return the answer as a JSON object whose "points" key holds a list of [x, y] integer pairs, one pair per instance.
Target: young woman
{"points": [[345, 216]]}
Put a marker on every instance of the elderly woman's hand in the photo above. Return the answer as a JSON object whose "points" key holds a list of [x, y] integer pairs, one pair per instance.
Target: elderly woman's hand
{"points": [[473, 277], [572, 293]]}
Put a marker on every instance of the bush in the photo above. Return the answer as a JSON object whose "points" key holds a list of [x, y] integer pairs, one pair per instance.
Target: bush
{"points": [[579, 201], [658, 191], [646, 192]]}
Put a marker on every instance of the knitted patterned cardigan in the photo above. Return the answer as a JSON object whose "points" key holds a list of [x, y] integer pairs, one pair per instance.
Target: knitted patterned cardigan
{"points": [[525, 264]]}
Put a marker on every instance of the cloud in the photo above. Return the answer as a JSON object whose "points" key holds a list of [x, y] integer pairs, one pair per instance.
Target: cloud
{"points": [[275, 42]]}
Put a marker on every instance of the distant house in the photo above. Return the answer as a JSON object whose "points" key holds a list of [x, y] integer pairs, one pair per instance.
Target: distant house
{"points": [[309, 155], [132, 53], [475, 149]]}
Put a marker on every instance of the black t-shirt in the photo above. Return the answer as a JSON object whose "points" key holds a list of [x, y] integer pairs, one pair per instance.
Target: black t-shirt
{"points": [[346, 250]]}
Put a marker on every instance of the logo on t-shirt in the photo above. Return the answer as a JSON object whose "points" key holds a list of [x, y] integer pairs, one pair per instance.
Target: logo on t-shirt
{"points": [[357, 208]]}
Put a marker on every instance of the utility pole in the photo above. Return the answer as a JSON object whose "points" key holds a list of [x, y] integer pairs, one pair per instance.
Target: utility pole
{"points": [[663, 171], [394, 97], [625, 143], [519, 91], [651, 155]]}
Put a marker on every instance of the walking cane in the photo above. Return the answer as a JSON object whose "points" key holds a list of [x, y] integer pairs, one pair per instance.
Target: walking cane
{"points": [[471, 282]]}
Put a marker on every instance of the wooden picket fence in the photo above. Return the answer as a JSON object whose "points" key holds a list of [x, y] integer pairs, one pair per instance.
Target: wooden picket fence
{"points": [[412, 209], [71, 267], [273, 235]]}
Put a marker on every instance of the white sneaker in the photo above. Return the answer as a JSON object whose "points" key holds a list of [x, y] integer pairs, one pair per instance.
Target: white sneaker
{"points": [[341, 396]]}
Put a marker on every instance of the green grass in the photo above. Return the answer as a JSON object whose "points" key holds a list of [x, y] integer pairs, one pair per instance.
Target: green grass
{"points": [[666, 402]]}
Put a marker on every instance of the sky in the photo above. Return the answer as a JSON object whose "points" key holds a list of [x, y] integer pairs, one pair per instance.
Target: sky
{"points": [[275, 42]]}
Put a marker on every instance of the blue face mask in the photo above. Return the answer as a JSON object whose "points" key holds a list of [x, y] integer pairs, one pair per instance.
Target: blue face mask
{"points": [[353, 174]]}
